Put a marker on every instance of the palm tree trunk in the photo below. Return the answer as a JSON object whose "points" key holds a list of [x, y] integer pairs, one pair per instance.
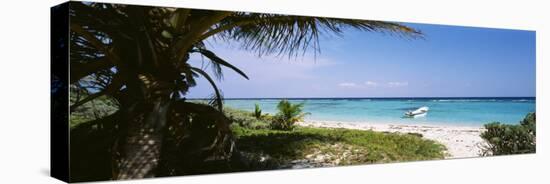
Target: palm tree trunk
{"points": [[141, 148], [146, 114]]}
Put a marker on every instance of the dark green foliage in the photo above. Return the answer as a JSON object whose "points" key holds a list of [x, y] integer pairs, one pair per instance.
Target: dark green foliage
{"points": [[187, 153], [504, 139], [91, 149], [245, 119], [257, 111], [95, 109], [529, 122], [288, 115]]}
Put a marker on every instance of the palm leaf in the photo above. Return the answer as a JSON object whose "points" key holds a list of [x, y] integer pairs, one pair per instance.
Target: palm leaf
{"points": [[214, 58], [282, 34], [218, 97]]}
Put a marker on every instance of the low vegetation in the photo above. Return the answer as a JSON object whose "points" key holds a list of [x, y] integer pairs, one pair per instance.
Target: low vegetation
{"points": [[257, 111], [505, 139], [336, 146], [288, 115], [243, 118], [266, 147], [259, 146], [96, 109]]}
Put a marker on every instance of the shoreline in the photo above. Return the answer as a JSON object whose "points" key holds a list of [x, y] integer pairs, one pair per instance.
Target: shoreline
{"points": [[396, 123], [460, 141]]}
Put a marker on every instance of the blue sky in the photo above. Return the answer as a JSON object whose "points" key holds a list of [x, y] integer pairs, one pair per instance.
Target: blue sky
{"points": [[451, 61]]}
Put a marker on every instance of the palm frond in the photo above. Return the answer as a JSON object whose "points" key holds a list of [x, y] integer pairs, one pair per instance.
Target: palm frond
{"points": [[292, 35], [111, 88], [218, 61], [218, 97]]}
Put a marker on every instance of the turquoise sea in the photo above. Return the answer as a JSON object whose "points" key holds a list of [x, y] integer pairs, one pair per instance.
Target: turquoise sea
{"points": [[443, 111]]}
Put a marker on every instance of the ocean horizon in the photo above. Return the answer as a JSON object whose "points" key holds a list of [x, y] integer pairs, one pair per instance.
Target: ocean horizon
{"points": [[451, 111]]}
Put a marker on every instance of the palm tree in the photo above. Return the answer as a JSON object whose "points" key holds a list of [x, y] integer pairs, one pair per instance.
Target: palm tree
{"points": [[257, 111], [139, 55], [288, 115]]}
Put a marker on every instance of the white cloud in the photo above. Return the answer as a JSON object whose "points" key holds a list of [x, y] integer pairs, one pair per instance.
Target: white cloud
{"points": [[348, 84], [371, 83], [397, 84]]}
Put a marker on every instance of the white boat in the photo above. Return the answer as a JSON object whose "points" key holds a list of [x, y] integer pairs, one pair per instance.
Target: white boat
{"points": [[420, 112]]}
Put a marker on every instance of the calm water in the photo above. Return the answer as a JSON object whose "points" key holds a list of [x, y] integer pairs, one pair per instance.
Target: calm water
{"points": [[446, 111]]}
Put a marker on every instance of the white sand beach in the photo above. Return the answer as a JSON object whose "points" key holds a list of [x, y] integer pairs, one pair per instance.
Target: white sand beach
{"points": [[461, 141]]}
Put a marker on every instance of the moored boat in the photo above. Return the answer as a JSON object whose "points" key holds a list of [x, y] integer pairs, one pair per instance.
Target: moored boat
{"points": [[420, 112]]}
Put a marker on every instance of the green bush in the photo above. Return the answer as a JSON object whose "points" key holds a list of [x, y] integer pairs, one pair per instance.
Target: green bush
{"points": [[245, 119], [506, 139], [257, 111], [288, 115], [93, 110], [529, 122]]}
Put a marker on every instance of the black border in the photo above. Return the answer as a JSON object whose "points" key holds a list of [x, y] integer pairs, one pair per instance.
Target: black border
{"points": [[59, 110]]}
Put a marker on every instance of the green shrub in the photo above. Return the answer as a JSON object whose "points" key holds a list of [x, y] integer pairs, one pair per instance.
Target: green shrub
{"points": [[246, 119], [257, 111], [93, 110], [506, 139], [529, 122], [288, 115]]}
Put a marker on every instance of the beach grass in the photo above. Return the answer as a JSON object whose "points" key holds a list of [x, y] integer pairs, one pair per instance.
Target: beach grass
{"points": [[328, 146], [346, 146]]}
